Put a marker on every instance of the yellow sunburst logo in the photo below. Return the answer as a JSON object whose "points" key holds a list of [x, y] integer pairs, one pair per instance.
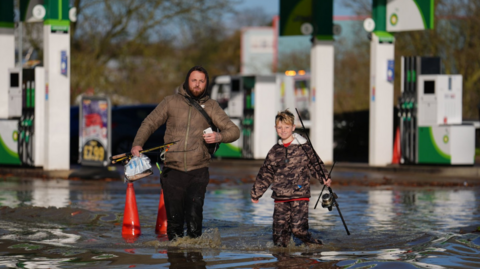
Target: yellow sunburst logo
{"points": [[15, 136], [394, 19]]}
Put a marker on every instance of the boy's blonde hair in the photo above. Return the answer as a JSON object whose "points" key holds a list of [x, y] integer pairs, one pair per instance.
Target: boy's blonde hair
{"points": [[286, 117]]}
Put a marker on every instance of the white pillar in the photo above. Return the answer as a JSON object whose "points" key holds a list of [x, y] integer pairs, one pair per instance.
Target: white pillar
{"points": [[7, 56], [321, 130], [289, 97], [57, 100], [267, 100], [380, 147]]}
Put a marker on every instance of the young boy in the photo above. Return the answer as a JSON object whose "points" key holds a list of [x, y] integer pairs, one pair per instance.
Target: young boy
{"points": [[288, 167]]}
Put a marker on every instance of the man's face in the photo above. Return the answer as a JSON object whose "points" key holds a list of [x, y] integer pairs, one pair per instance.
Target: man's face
{"points": [[197, 83]]}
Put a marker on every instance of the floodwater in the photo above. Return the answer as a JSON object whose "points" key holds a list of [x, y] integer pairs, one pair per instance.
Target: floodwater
{"points": [[78, 223]]}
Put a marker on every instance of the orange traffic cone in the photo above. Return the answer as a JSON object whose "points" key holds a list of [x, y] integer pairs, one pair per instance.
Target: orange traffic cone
{"points": [[396, 148], [161, 226], [131, 223]]}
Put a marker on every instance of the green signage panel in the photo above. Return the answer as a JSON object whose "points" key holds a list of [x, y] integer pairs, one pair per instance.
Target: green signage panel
{"points": [[323, 19], [6, 14], [409, 15], [26, 8], [428, 149], [379, 12], [306, 17], [294, 13], [57, 9]]}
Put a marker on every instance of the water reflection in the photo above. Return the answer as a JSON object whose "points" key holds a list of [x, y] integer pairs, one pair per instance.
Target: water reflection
{"points": [[51, 193], [19, 261], [184, 259], [368, 208], [380, 208], [262, 212], [389, 225], [455, 207]]}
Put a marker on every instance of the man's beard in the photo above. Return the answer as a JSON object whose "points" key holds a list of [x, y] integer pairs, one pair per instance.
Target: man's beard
{"points": [[197, 91]]}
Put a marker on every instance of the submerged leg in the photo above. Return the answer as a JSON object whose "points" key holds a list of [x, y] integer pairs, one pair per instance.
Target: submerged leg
{"points": [[300, 223], [194, 201], [174, 189], [281, 224]]}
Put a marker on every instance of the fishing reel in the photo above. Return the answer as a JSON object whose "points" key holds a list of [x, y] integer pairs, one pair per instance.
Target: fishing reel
{"points": [[327, 200]]}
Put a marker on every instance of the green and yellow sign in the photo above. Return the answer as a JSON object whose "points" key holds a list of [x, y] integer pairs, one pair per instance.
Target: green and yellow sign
{"points": [[409, 15], [55, 13], [307, 17]]}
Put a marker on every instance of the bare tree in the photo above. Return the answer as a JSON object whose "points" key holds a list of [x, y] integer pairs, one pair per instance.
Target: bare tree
{"points": [[132, 47]]}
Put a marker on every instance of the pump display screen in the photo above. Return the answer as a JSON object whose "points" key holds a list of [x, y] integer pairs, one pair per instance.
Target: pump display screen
{"points": [[429, 87], [14, 80], [235, 85]]}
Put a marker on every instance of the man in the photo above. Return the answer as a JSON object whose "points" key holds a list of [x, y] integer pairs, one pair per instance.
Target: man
{"points": [[185, 176]]}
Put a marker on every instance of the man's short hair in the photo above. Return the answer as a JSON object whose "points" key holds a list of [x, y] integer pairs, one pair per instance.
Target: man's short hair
{"points": [[285, 116]]}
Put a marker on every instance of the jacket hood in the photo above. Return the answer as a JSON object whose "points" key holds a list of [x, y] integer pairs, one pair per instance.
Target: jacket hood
{"points": [[185, 83], [297, 140]]}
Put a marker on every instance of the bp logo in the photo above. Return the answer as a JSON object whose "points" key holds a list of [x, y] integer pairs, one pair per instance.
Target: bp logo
{"points": [[15, 136], [445, 139], [393, 19]]}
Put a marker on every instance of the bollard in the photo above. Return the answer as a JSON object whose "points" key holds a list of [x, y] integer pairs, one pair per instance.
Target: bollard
{"points": [[161, 225], [131, 222]]}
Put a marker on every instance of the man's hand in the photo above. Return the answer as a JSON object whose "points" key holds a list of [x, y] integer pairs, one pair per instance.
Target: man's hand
{"points": [[254, 201], [136, 151], [327, 182], [212, 138]]}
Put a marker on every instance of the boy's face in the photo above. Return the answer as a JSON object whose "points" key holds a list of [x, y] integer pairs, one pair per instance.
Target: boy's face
{"points": [[284, 130]]}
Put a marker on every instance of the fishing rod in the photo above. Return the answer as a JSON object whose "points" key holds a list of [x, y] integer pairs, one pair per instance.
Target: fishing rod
{"points": [[333, 196], [329, 173], [127, 156]]}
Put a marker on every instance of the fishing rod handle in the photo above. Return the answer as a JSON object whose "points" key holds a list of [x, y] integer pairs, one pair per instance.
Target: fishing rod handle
{"points": [[118, 160], [118, 156]]}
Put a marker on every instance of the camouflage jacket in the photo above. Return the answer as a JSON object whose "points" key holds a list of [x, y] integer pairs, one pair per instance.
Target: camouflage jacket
{"points": [[289, 179]]}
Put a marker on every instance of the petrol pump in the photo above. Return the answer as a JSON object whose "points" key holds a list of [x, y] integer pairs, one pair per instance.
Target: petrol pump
{"points": [[252, 102], [35, 104], [430, 111], [22, 132]]}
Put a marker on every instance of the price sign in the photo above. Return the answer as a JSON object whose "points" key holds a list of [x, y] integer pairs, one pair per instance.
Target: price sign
{"points": [[94, 151], [95, 130]]}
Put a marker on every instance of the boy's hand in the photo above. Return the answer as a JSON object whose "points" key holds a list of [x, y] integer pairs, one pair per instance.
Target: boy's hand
{"points": [[254, 201], [327, 182]]}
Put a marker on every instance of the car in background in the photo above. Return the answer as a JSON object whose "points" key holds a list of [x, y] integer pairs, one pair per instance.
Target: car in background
{"points": [[125, 123]]}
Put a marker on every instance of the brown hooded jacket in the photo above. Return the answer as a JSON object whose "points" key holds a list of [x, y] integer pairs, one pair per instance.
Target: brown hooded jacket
{"points": [[186, 124]]}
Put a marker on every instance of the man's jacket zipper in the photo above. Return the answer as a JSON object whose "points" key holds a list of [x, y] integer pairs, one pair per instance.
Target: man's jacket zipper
{"points": [[186, 137]]}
